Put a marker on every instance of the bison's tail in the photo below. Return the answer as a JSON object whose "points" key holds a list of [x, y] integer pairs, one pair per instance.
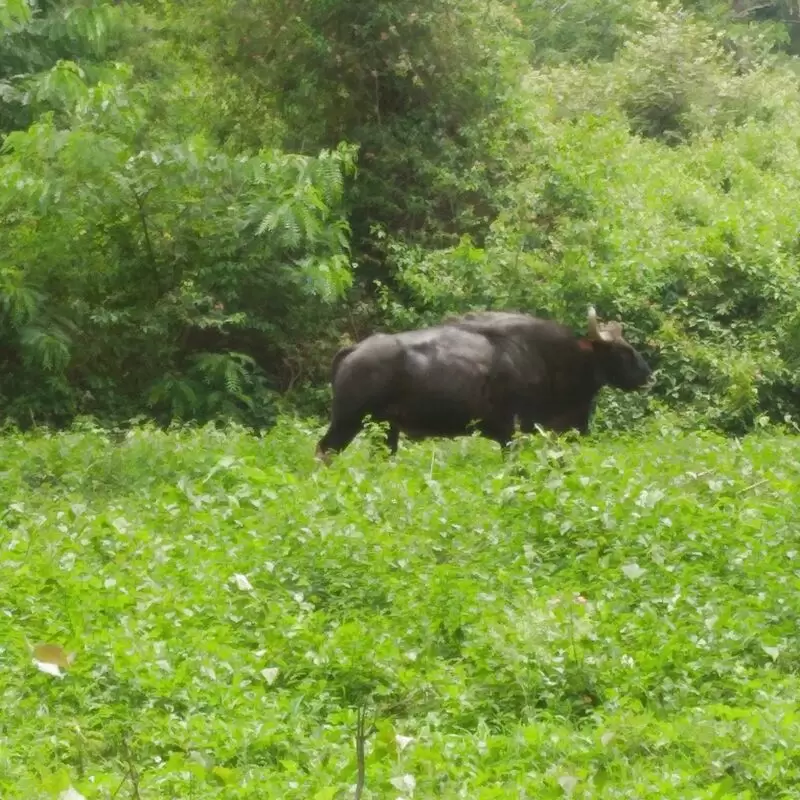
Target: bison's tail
{"points": [[338, 358]]}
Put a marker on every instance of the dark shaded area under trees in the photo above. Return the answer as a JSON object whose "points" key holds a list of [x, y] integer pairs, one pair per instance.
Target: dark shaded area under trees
{"points": [[201, 201]]}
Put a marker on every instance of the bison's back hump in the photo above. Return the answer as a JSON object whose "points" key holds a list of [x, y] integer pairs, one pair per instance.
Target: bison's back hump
{"points": [[512, 323]]}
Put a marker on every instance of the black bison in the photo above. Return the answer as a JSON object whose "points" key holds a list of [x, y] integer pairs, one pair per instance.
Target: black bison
{"points": [[478, 372]]}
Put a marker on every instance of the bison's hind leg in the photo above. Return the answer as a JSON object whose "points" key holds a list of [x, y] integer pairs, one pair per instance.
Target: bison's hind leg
{"points": [[392, 438]]}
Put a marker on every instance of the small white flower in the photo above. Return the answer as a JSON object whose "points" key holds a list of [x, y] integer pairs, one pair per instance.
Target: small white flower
{"points": [[50, 669], [270, 674], [404, 783], [242, 583], [403, 741], [71, 794]]}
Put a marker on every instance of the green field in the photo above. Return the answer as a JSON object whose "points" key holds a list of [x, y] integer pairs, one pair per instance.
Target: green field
{"points": [[610, 618]]}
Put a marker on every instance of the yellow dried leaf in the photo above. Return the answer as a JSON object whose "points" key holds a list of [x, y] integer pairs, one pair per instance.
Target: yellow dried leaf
{"points": [[53, 654]]}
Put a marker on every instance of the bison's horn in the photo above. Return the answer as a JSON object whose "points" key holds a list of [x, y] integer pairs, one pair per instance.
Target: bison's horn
{"points": [[606, 332], [594, 330]]}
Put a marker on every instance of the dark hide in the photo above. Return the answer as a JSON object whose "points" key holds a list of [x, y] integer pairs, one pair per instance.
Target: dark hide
{"points": [[576, 368], [338, 358], [476, 373]]}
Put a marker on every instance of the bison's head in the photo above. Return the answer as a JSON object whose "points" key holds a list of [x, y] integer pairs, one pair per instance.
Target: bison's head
{"points": [[620, 365]]}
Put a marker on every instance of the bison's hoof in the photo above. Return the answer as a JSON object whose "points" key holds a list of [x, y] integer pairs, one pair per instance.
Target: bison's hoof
{"points": [[322, 456]]}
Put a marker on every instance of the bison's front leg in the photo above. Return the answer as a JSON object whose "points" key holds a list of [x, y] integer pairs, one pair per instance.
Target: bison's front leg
{"points": [[500, 430], [574, 418], [337, 437]]}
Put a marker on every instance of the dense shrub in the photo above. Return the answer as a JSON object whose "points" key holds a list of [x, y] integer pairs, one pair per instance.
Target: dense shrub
{"points": [[141, 268], [185, 234], [694, 247]]}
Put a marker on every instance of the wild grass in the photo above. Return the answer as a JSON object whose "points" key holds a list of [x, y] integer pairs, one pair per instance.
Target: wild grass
{"points": [[608, 618]]}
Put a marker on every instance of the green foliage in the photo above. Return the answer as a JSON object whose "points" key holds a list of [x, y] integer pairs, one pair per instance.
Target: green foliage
{"points": [[39, 41], [127, 256], [692, 245], [182, 215], [579, 31], [14, 12], [610, 618], [419, 87], [678, 79], [214, 386]]}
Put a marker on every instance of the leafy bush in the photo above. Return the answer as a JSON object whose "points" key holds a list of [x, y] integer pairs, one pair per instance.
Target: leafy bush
{"points": [[693, 247], [419, 87], [579, 31], [135, 265], [678, 79]]}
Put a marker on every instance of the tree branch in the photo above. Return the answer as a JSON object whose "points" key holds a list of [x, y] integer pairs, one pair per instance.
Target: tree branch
{"points": [[362, 734], [140, 198]]}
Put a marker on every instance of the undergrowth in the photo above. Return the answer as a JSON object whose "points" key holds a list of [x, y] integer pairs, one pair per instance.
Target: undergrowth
{"points": [[607, 618]]}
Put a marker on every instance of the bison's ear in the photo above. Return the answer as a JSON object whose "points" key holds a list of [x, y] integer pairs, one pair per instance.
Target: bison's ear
{"points": [[614, 331]]}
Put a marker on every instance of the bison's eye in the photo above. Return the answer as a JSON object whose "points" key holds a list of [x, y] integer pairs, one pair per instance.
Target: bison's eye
{"points": [[626, 357]]}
